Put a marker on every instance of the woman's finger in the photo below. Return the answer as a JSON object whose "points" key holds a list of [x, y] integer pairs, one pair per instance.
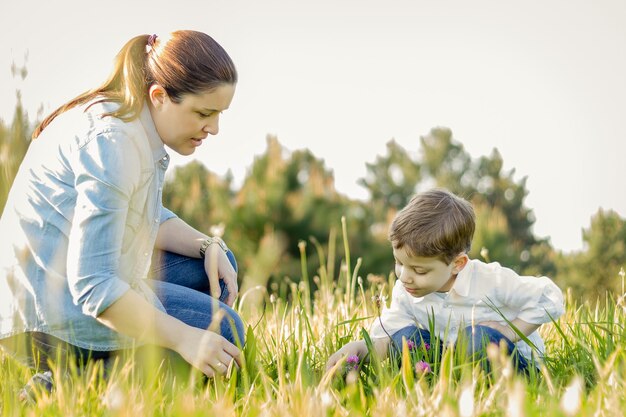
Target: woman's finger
{"points": [[233, 351], [208, 370]]}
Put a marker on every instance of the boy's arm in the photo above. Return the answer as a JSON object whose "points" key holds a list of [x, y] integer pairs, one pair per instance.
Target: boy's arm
{"points": [[538, 301], [524, 327]]}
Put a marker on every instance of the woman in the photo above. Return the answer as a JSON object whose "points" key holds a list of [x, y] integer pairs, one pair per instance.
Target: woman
{"points": [[84, 215]]}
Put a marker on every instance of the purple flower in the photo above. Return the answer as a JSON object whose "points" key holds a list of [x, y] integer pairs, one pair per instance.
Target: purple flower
{"points": [[422, 367], [352, 362], [410, 344], [426, 346]]}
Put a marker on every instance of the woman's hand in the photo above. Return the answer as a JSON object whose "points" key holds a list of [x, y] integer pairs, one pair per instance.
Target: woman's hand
{"points": [[207, 351], [217, 266]]}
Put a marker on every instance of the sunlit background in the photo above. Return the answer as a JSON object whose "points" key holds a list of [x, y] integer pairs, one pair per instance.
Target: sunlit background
{"points": [[544, 82]]}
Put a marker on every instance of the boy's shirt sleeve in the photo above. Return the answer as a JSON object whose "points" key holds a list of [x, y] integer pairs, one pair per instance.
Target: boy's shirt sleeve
{"points": [[538, 300], [395, 317]]}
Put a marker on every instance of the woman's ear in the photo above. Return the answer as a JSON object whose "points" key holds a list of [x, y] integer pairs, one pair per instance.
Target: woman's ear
{"points": [[157, 96], [459, 263]]}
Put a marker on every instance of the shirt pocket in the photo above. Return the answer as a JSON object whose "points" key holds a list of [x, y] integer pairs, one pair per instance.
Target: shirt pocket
{"points": [[134, 220]]}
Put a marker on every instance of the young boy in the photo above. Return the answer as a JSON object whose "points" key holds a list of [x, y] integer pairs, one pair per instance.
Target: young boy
{"points": [[466, 298]]}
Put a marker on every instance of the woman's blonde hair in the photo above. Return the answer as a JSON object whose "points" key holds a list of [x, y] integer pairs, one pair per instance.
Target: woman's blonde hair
{"points": [[187, 62]]}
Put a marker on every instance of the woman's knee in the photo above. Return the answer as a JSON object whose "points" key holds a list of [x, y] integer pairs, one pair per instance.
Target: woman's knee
{"points": [[231, 327]]}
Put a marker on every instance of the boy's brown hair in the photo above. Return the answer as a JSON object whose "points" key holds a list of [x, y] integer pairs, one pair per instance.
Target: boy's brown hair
{"points": [[435, 223]]}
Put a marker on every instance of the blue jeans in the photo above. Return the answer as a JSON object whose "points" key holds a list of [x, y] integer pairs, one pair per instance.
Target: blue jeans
{"points": [[473, 340], [182, 285]]}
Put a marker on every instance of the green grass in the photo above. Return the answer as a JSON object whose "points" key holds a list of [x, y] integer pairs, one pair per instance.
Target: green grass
{"points": [[291, 337]]}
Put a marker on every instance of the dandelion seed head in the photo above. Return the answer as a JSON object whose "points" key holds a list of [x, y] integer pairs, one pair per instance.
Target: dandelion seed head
{"points": [[326, 399], [571, 400], [114, 398], [515, 405], [466, 402]]}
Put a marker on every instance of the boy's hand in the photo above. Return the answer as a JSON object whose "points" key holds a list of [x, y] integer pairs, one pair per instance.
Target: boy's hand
{"points": [[358, 348]]}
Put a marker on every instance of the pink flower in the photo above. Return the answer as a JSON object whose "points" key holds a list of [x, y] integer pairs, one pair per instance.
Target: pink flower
{"points": [[422, 367], [352, 362], [410, 344], [426, 346]]}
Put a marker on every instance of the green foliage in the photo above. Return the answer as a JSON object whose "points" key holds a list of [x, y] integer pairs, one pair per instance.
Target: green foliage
{"points": [[605, 255], [14, 141]]}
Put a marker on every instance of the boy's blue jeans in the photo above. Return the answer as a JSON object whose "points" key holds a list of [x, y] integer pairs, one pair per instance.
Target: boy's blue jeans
{"points": [[182, 286], [474, 340]]}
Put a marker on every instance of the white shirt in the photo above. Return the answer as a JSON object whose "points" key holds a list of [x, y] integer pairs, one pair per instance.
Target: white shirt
{"points": [[481, 292]]}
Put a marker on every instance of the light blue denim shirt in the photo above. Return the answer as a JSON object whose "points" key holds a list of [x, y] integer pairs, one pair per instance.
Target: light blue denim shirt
{"points": [[80, 224]]}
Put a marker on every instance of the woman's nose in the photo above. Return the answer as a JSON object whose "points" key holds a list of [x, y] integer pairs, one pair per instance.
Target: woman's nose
{"points": [[212, 127]]}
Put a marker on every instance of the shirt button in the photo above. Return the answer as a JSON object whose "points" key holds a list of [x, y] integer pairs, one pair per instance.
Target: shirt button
{"points": [[145, 254], [156, 220]]}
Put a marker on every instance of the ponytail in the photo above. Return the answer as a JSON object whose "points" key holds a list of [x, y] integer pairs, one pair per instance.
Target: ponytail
{"points": [[126, 85]]}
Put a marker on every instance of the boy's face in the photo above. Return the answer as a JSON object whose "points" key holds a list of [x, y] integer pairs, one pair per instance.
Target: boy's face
{"points": [[424, 275]]}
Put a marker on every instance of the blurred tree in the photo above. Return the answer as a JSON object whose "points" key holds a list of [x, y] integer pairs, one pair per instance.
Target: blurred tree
{"points": [[14, 141], [594, 270], [392, 179], [200, 197], [504, 224]]}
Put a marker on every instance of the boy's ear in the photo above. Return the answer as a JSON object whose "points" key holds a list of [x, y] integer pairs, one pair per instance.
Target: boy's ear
{"points": [[459, 263]]}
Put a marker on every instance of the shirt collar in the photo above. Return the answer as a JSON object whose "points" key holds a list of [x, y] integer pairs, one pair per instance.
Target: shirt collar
{"points": [[462, 282], [156, 144]]}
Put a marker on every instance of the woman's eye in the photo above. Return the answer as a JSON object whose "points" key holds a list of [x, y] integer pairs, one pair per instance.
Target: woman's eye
{"points": [[205, 114]]}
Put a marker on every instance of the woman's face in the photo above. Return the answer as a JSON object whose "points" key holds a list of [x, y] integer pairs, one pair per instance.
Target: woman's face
{"points": [[183, 126]]}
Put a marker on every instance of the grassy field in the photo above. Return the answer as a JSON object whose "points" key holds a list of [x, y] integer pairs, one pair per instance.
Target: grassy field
{"points": [[294, 330]]}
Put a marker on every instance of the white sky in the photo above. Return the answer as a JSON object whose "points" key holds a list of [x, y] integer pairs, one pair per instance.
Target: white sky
{"points": [[543, 81]]}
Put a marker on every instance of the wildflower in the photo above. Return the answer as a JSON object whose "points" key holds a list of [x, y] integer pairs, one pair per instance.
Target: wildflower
{"points": [[426, 346], [422, 367], [410, 344], [352, 362]]}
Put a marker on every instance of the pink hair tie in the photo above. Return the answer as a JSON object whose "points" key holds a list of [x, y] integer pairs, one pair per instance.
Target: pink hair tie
{"points": [[152, 40]]}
